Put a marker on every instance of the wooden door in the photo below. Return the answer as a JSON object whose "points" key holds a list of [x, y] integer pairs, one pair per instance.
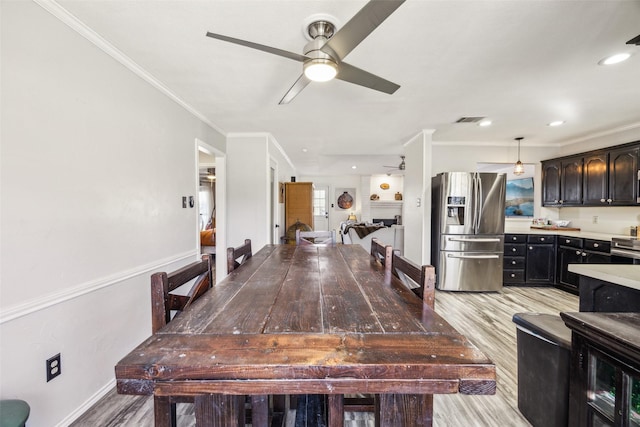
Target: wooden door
{"points": [[298, 203]]}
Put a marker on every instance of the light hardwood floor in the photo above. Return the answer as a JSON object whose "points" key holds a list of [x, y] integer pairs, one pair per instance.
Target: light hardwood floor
{"points": [[485, 318]]}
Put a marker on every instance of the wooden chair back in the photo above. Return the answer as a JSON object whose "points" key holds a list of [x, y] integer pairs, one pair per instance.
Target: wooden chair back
{"points": [[317, 238], [382, 254], [420, 279], [163, 300], [238, 256]]}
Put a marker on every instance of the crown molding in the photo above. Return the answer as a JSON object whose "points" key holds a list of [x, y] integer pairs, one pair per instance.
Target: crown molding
{"points": [[81, 28]]}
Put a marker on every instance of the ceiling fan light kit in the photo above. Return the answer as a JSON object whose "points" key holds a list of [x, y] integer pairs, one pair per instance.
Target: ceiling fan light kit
{"points": [[323, 55]]}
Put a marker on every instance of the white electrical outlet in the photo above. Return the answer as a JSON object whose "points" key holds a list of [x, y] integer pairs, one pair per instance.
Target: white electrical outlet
{"points": [[595, 219]]}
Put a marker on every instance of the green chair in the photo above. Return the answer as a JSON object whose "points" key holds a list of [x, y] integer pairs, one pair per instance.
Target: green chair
{"points": [[13, 413]]}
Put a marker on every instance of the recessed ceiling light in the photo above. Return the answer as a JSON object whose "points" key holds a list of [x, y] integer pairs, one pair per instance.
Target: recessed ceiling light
{"points": [[556, 123], [354, 167], [614, 59], [485, 123], [304, 150]]}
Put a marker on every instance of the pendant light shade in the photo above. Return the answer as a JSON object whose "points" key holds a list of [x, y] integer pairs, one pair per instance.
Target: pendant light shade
{"points": [[519, 167]]}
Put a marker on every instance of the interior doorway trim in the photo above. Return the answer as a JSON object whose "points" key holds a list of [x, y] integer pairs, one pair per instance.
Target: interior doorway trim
{"points": [[220, 203]]}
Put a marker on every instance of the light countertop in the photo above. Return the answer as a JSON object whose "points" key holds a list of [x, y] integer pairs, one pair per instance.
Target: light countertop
{"points": [[620, 274], [561, 232]]}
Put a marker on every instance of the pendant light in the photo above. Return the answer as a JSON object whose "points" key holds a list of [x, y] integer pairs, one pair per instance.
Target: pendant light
{"points": [[519, 167]]}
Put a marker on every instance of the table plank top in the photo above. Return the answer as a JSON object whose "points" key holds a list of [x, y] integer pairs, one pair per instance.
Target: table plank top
{"points": [[324, 316]]}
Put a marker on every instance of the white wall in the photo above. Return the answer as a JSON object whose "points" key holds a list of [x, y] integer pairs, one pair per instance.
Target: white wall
{"points": [[249, 158], [416, 215], [94, 162]]}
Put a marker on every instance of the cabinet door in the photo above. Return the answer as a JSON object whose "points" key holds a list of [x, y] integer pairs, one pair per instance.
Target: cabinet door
{"points": [[624, 176], [540, 264], [551, 183], [595, 179], [571, 182], [568, 256]]}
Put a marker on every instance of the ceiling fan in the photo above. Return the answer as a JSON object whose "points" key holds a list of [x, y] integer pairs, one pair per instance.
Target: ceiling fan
{"points": [[323, 55], [400, 167]]}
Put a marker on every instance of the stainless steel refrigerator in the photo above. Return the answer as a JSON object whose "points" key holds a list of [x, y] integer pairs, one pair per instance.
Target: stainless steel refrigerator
{"points": [[467, 230]]}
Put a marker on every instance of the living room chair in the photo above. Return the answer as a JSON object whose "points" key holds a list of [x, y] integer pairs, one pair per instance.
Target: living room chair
{"points": [[317, 238], [420, 279], [238, 256], [164, 301]]}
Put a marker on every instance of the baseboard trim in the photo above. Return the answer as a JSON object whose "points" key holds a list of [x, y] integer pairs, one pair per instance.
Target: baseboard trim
{"points": [[102, 392], [49, 300]]}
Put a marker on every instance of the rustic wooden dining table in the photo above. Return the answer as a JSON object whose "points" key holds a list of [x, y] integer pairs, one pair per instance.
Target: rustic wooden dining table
{"points": [[297, 320]]}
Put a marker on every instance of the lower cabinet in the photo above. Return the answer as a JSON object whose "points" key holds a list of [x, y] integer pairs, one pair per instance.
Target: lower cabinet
{"points": [[529, 259], [576, 250], [605, 369], [540, 260]]}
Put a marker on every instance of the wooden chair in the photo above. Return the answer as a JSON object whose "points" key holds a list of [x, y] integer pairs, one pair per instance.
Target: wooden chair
{"points": [[241, 253], [317, 238], [420, 279], [382, 254], [164, 301]]}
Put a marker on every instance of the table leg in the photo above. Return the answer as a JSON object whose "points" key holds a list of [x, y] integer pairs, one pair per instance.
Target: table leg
{"points": [[162, 411], [220, 410], [336, 410], [406, 410], [260, 410]]}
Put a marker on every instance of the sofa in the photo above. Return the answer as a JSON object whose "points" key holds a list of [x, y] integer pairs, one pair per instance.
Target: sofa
{"points": [[393, 235]]}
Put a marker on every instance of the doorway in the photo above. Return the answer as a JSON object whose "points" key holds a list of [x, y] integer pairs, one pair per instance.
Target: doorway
{"points": [[211, 173]]}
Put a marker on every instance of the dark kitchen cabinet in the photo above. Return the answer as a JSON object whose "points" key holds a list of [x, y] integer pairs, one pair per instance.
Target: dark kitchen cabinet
{"points": [[624, 176], [571, 182], [562, 182], [604, 385], [540, 260], [575, 250], [514, 259], [595, 178], [529, 259], [569, 252], [551, 170], [608, 177]]}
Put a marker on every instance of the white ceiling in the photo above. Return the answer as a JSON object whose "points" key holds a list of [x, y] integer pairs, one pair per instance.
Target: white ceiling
{"points": [[520, 63]]}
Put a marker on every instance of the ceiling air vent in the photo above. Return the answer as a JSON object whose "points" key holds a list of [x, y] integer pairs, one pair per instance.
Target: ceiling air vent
{"points": [[469, 119]]}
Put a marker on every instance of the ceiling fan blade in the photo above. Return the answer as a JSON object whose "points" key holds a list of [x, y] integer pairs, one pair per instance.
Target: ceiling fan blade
{"points": [[359, 27], [257, 46], [297, 87], [351, 74]]}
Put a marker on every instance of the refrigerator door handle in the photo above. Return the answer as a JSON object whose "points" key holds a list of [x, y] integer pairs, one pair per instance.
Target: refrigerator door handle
{"points": [[480, 207], [480, 240], [473, 256], [475, 203]]}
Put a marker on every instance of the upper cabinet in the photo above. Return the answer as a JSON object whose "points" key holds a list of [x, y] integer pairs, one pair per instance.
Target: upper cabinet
{"points": [[607, 177], [624, 176], [562, 182]]}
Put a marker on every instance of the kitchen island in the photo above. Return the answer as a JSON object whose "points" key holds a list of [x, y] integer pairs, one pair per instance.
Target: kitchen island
{"points": [[608, 287]]}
